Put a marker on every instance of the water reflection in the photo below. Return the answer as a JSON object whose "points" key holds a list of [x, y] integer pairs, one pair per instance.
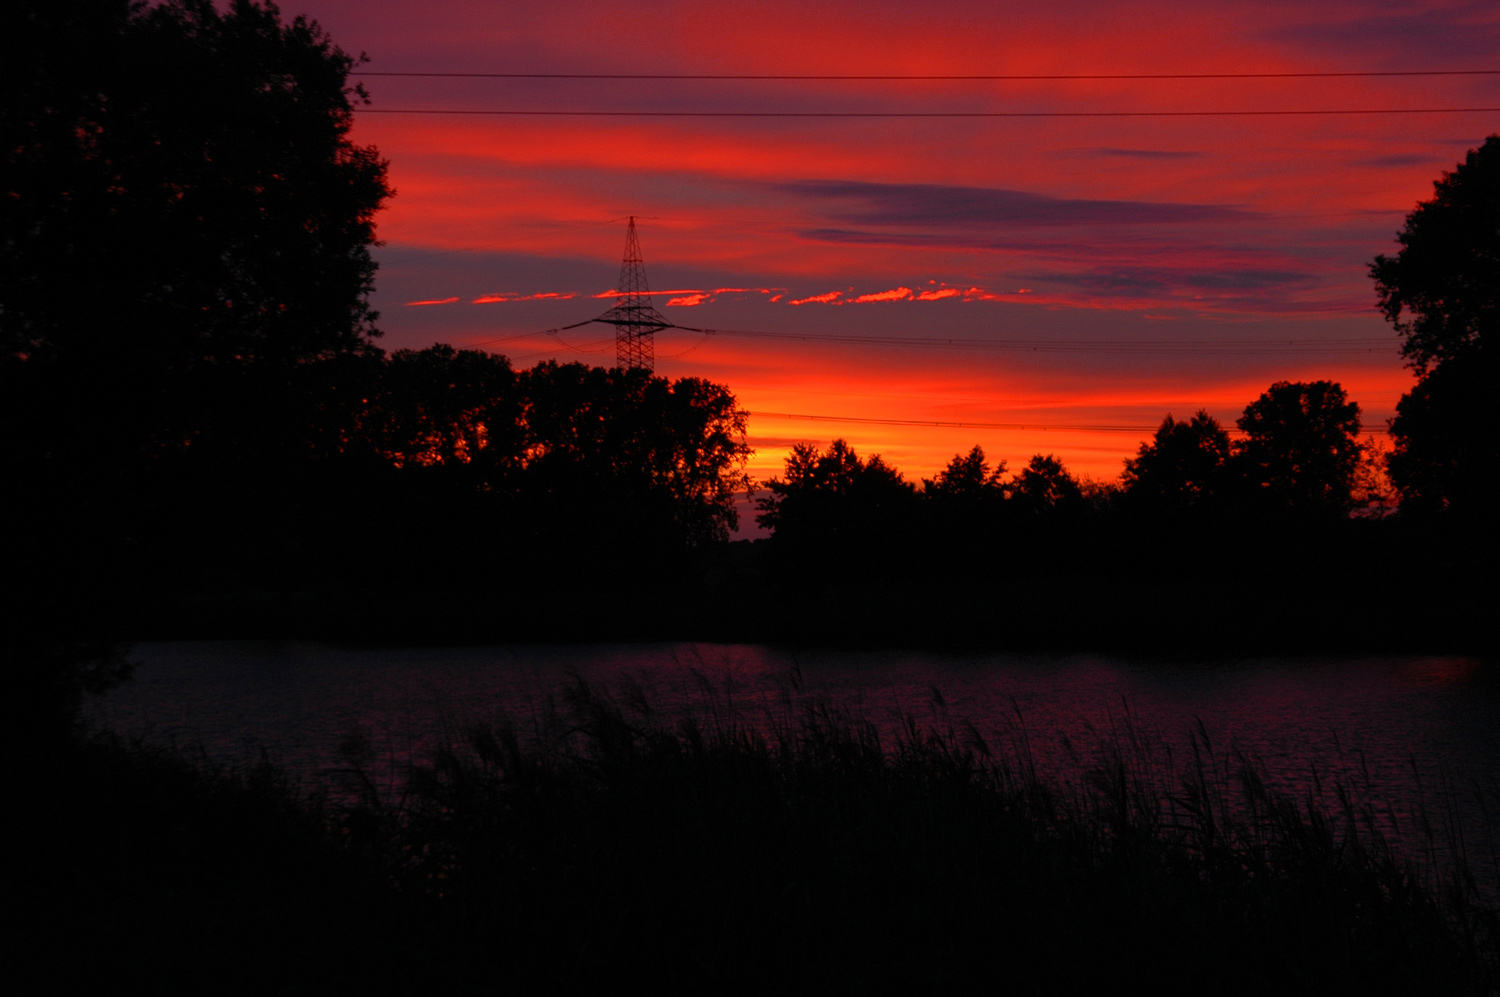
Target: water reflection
{"points": [[1397, 726]]}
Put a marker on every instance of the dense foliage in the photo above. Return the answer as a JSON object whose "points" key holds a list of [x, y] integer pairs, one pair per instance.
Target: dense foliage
{"points": [[1442, 290], [1442, 294], [1299, 457], [179, 187]]}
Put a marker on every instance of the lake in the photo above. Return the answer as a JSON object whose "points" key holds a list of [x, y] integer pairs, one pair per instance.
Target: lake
{"points": [[1399, 727]]}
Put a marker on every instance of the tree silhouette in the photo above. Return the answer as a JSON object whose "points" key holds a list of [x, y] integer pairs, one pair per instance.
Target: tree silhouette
{"points": [[1301, 448], [1447, 275], [1183, 466], [446, 406], [833, 502], [180, 187], [185, 230], [1045, 485], [968, 479], [1442, 294], [674, 451], [1445, 454]]}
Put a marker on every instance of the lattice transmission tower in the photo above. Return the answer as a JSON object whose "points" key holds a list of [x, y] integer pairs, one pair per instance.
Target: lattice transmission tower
{"points": [[635, 320], [633, 316]]}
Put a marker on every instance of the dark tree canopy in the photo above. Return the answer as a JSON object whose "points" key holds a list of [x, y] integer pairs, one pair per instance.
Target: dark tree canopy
{"points": [[1046, 484], [1183, 465], [445, 406], [1301, 448], [1442, 293], [593, 432], [1445, 452], [968, 478], [1442, 290], [179, 186], [835, 495]]}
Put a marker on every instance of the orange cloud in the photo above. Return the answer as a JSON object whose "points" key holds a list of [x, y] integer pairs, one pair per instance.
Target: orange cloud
{"points": [[831, 298], [434, 301], [895, 294], [507, 296], [900, 294]]}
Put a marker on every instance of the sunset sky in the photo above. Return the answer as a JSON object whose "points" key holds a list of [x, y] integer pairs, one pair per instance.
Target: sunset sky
{"points": [[1132, 265]]}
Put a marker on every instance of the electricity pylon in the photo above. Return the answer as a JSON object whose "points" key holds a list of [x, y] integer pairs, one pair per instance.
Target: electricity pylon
{"points": [[634, 318]]}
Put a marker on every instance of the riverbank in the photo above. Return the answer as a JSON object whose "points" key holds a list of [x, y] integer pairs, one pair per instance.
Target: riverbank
{"points": [[607, 841], [1200, 618]]}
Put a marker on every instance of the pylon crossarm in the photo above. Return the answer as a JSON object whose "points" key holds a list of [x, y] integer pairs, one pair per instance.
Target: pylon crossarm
{"points": [[634, 323]]}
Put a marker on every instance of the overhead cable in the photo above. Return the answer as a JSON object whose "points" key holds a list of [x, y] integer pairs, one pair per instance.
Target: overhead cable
{"points": [[559, 113], [1247, 346], [1048, 427], [951, 77]]}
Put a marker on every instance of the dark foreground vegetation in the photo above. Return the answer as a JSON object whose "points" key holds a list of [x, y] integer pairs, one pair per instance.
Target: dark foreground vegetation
{"points": [[604, 841]]}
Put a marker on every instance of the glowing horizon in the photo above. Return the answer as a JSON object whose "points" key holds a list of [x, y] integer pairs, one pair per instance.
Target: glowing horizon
{"points": [[1198, 231]]}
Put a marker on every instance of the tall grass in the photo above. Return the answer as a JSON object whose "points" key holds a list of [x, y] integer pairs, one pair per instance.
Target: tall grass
{"points": [[605, 839], [608, 840]]}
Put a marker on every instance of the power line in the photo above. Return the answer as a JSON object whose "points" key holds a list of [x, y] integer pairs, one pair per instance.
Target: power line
{"points": [[997, 77], [507, 112], [940, 424], [1245, 346], [1026, 427], [1237, 347]]}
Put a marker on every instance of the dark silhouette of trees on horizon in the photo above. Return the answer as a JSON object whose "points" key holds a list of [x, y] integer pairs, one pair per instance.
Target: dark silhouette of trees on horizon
{"points": [[1184, 466], [1046, 486], [1300, 456], [1301, 447]]}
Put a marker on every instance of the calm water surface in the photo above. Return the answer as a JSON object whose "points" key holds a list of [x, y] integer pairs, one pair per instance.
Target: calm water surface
{"points": [[1409, 721]]}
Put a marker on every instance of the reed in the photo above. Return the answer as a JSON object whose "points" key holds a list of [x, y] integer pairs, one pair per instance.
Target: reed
{"points": [[606, 838]]}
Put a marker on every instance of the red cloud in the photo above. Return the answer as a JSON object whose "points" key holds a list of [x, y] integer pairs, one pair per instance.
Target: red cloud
{"points": [[434, 301], [831, 298], [895, 294], [505, 296]]}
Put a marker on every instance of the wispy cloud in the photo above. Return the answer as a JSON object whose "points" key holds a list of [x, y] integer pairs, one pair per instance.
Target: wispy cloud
{"points": [[690, 296], [509, 296], [894, 294], [830, 298], [937, 292], [1399, 160], [941, 206], [433, 301], [1144, 153]]}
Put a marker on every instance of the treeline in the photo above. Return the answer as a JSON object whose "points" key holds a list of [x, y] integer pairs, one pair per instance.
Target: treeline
{"points": [[1299, 463], [435, 468], [1284, 538], [442, 494]]}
